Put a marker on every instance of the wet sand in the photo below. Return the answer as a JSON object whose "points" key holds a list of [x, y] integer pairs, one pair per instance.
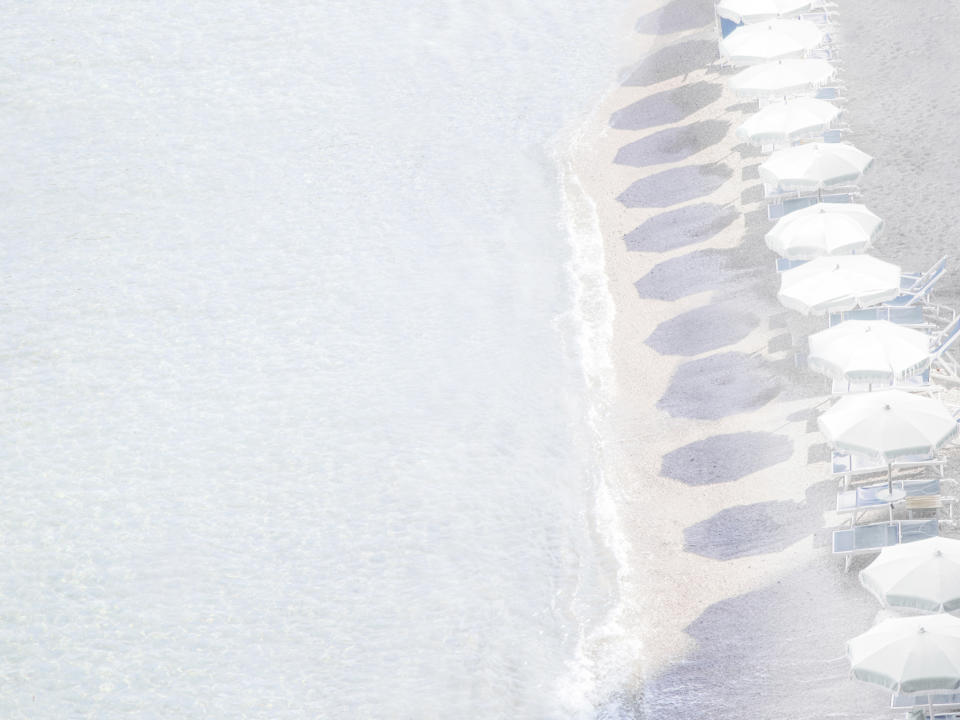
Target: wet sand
{"points": [[711, 447]]}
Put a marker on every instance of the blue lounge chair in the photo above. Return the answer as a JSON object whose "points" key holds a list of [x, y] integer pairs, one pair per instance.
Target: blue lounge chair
{"points": [[863, 499], [916, 291], [941, 701], [910, 316], [919, 383], [945, 365], [923, 713], [786, 202], [863, 539], [849, 467]]}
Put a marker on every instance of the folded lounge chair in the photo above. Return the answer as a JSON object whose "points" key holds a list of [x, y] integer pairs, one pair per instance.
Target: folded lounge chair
{"points": [[862, 539]]}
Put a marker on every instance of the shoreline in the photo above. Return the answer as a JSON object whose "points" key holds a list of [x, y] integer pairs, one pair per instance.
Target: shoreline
{"points": [[709, 446]]}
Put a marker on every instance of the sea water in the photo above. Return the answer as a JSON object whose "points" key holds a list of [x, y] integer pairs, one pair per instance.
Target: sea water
{"points": [[301, 350]]}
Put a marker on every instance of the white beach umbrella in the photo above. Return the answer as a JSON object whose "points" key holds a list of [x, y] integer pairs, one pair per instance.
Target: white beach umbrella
{"points": [[888, 424], [824, 229], [870, 351], [788, 121], [751, 11], [814, 166], [781, 78], [771, 40], [909, 655], [842, 282], [924, 575]]}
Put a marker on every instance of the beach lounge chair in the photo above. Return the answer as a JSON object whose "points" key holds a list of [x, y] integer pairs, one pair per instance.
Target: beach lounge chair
{"points": [[917, 383], [924, 714], [784, 264], [919, 703], [863, 539], [861, 500], [783, 203], [849, 467], [945, 365], [829, 93], [916, 289], [910, 316], [833, 135]]}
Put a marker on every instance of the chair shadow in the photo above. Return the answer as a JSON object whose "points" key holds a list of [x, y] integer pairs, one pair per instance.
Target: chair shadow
{"points": [[675, 185], [702, 329], [759, 528], [683, 226], [718, 386], [666, 106], [672, 144], [673, 61], [676, 16]]}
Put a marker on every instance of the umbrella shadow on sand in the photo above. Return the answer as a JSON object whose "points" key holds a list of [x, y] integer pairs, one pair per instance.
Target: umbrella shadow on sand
{"points": [[676, 16], [725, 458], [672, 61], [760, 528], [780, 646], [672, 144], [691, 273], [684, 226], [675, 185], [666, 106], [719, 385], [703, 329]]}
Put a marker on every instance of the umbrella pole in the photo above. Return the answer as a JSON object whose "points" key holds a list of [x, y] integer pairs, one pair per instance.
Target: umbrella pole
{"points": [[930, 703], [890, 490]]}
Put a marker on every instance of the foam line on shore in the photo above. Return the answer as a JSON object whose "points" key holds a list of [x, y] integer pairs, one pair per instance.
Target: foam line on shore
{"points": [[713, 562]]}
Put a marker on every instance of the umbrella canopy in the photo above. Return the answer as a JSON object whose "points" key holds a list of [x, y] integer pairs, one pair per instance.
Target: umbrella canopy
{"points": [[751, 11], [814, 166], [888, 424], [782, 77], [824, 229], [843, 282], [870, 351], [788, 121], [924, 575], [772, 40], [909, 655]]}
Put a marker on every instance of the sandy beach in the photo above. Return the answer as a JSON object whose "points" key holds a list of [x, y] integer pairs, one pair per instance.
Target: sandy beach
{"points": [[711, 442]]}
